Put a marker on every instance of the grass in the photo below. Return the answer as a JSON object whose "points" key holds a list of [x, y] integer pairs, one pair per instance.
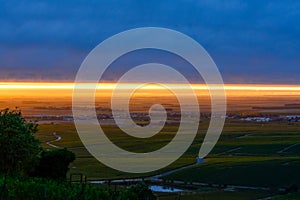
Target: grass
{"points": [[93, 169], [247, 153], [292, 196], [220, 194], [248, 171]]}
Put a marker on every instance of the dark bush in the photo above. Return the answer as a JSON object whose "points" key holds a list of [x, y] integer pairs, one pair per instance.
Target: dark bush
{"points": [[28, 188], [38, 188], [139, 191], [54, 164]]}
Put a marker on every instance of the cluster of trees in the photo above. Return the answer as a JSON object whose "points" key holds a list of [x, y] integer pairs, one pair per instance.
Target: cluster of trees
{"points": [[31, 188], [27, 171], [19, 149], [22, 154]]}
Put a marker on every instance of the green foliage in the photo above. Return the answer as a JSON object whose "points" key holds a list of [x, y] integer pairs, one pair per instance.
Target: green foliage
{"points": [[138, 191], [20, 150], [292, 196], [18, 146], [39, 188], [54, 164]]}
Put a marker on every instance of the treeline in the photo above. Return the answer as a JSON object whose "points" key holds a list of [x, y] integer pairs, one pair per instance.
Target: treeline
{"points": [[29, 188], [27, 171]]}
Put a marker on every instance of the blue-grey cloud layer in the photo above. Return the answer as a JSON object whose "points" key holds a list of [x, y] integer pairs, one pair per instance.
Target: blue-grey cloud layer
{"points": [[250, 41]]}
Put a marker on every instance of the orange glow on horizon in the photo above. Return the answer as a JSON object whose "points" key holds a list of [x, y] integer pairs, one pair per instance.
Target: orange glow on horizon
{"points": [[26, 95], [69, 86], [44, 90]]}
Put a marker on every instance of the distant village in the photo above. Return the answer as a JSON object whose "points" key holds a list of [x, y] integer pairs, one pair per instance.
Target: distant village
{"points": [[171, 116], [287, 118]]}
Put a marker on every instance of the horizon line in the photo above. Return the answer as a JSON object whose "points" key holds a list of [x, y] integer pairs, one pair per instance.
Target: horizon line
{"points": [[106, 85]]}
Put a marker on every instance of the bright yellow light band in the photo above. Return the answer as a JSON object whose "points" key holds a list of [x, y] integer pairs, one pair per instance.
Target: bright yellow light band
{"points": [[66, 86]]}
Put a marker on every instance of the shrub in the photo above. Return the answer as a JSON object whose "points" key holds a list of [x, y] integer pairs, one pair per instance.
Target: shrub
{"points": [[54, 164], [26, 188]]}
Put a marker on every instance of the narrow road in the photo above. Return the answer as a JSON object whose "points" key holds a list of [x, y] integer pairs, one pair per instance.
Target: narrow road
{"points": [[156, 177], [246, 135], [229, 151], [58, 138], [287, 148]]}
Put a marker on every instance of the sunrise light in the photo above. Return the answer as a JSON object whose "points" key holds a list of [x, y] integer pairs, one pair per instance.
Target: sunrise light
{"points": [[69, 86]]}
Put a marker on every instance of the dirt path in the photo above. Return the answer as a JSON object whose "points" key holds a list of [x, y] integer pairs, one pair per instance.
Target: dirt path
{"points": [[156, 177], [246, 135], [229, 151], [58, 138], [287, 148]]}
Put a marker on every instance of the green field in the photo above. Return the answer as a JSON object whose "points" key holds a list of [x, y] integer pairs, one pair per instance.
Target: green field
{"points": [[247, 154], [293, 196], [251, 154], [219, 194]]}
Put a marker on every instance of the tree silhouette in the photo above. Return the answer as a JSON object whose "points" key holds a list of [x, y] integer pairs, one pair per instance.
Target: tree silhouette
{"points": [[19, 148], [54, 164]]}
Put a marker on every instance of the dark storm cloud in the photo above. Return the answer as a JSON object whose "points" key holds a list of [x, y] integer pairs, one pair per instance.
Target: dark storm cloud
{"points": [[250, 41]]}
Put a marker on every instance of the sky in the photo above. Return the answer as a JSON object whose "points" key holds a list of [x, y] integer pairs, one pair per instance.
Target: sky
{"points": [[254, 41]]}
